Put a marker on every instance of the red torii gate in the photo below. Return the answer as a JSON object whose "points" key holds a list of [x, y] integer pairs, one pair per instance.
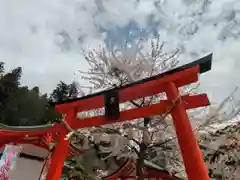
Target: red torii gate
{"points": [[168, 82]]}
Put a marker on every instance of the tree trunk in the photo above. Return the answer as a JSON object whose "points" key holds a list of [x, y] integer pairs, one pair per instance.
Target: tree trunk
{"points": [[140, 162], [142, 152]]}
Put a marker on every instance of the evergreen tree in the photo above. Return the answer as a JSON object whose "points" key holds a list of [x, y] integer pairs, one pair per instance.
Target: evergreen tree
{"points": [[60, 93], [64, 92], [12, 80], [1, 68], [2, 98], [21, 106], [9, 84], [73, 90]]}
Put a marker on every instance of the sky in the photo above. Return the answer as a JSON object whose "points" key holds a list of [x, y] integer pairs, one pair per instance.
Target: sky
{"points": [[46, 37]]}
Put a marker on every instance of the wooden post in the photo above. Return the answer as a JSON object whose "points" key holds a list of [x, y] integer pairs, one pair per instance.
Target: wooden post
{"points": [[61, 151], [192, 156]]}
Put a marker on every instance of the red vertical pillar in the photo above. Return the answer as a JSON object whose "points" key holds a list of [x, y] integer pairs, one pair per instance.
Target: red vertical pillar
{"points": [[61, 151], [192, 156]]}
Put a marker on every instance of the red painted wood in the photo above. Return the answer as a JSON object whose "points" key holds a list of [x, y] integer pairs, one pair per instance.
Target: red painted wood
{"points": [[131, 93], [31, 133], [159, 174], [129, 165], [193, 161], [61, 151], [149, 173], [191, 102]]}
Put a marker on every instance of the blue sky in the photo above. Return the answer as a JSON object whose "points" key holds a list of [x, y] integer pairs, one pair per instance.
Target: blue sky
{"points": [[46, 37]]}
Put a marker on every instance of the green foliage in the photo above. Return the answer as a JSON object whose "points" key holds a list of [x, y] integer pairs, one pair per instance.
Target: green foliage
{"points": [[20, 105], [64, 91], [9, 84], [27, 107], [1, 68]]}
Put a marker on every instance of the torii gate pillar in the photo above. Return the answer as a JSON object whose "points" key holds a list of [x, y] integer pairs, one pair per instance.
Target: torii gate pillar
{"points": [[192, 156], [61, 150]]}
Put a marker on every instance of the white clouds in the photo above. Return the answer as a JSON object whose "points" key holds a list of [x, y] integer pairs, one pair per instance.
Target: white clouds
{"points": [[29, 34], [120, 12], [217, 31], [28, 37]]}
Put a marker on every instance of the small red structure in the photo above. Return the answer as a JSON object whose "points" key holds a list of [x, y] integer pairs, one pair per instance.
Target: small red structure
{"points": [[127, 172], [168, 82]]}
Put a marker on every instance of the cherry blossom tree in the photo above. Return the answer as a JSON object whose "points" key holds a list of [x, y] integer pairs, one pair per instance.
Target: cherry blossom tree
{"points": [[221, 150], [151, 139]]}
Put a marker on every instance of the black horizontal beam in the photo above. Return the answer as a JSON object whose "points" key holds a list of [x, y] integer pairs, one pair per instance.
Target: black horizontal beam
{"points": [[205, 64]]}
